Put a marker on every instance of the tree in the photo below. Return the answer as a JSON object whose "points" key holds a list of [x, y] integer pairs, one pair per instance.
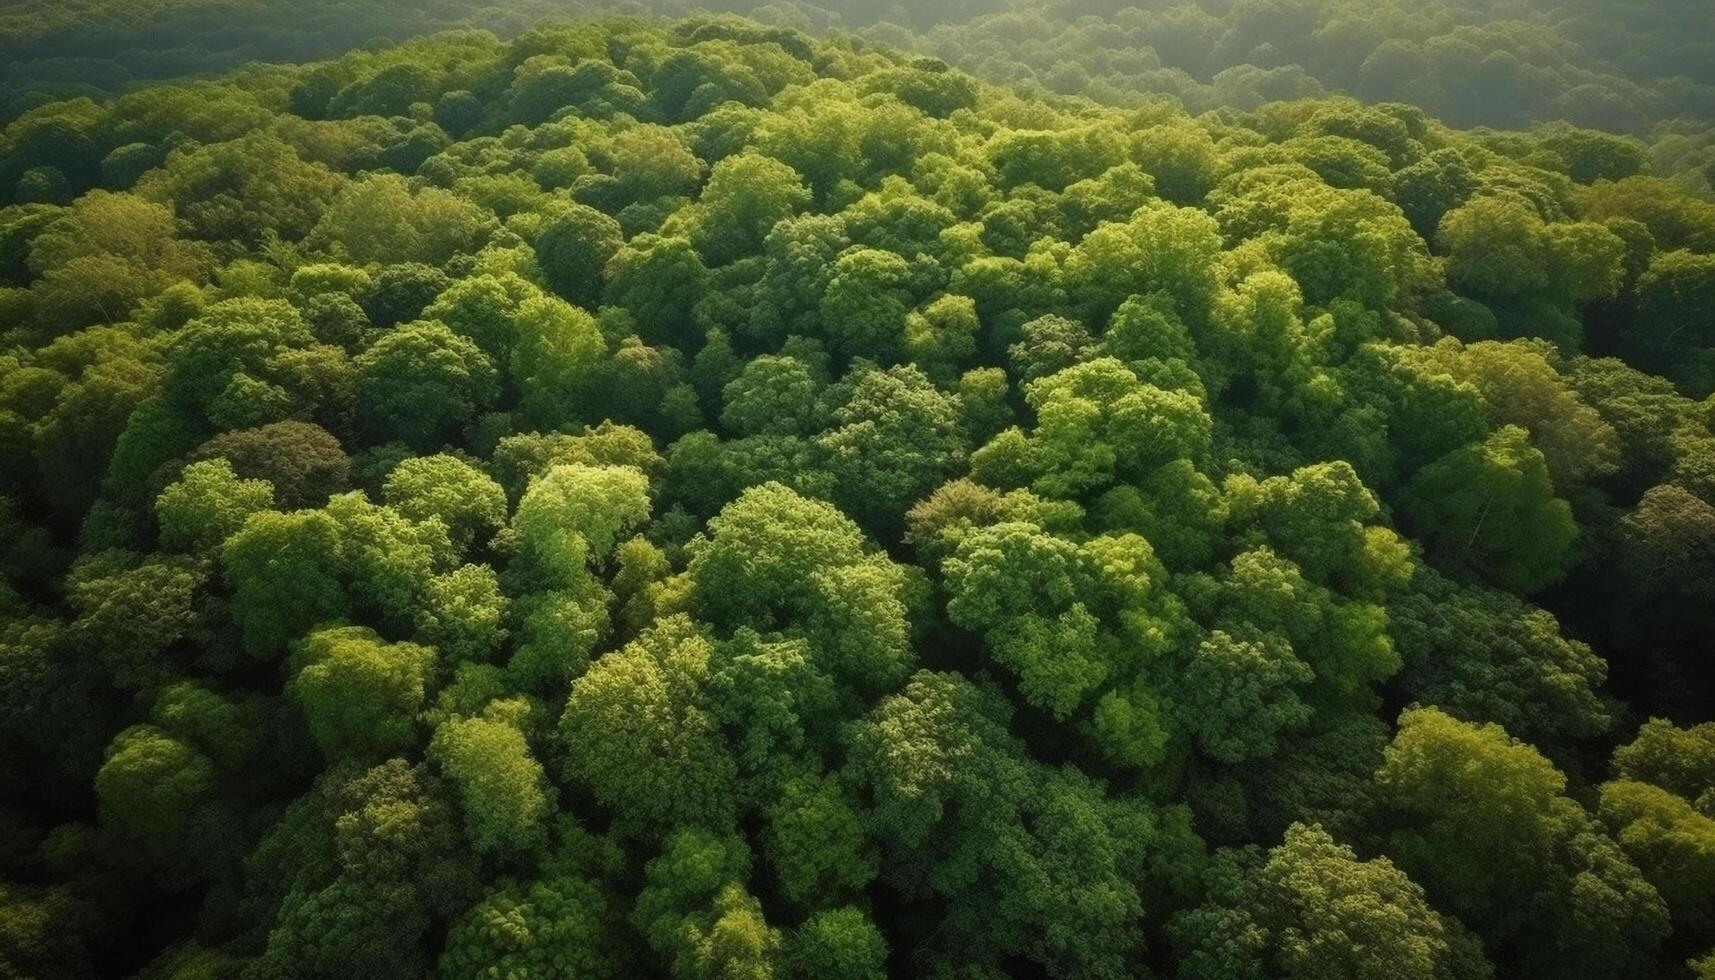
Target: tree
{"points": [[637, 735], [941, 337], [1316, 516], [1667, 543], [1322, 776], [653, 162], [1491, 508], [1484, 656], [1521, 386], [558, 362], [357, 871], [136, 614], [595, 505], [1048, 344], [243, 190], [387, 560], [303, 462], [1161, 248], [482, 308], [284, 570], [773, 394], [774, 560], [446, 488], [1673, 844], [419, 381], [152, 785], [106, 253], [1239, 694], [659, 280], [561, 925], [1072, 915], [207, 505], [1676, 302], [1344, 640], [1180, 158], [381, 218], [1481, 820], [1024, 589], [1335, 243], [695, 913], [1310, 907], [1096, 422], [463, 613], [566, 527], [745, 197], [359, 693], [1080, 625], [864, 305], [403, 291], [1177, 509], [1431, 186], [501, 786], [1679, 760], [1499, 248], [574, 247], [893, 439], [815, 843], [245, 362], [840, 944]]}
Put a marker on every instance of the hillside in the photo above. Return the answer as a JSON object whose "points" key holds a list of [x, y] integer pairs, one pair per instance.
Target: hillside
{"points": [[693, 498]]}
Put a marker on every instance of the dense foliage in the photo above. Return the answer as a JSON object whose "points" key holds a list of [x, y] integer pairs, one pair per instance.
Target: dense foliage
{"points": [[1640, 67], [691, 499]]}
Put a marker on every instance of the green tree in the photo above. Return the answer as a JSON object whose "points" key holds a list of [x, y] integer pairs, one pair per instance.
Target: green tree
{"points": [[660, 281], [1097, 422], [637, 735], [207, 505], [745, 197], [1491, 508], [1482, 821], [558, 362], [1310, 907], [463, 613], [773, 394], [303, 462], [359, 694], [285, 575], [1484, 656], [894, 437], [573, 247], [775, 560], [1673, 843], [501, 787], [864, 305], [483, 309], [249, 361], [840, 944], [136, 614], [382, 218], [418, 382], [1238, 695], [1679, 760], [696, 915], [446, 488], [562, 925]]}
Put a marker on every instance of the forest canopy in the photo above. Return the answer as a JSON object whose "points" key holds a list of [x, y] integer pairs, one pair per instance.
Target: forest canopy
{"points": [[1056, 491]]}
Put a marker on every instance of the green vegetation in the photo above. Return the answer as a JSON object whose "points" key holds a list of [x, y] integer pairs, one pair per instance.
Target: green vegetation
{"points": [[692, 498]]}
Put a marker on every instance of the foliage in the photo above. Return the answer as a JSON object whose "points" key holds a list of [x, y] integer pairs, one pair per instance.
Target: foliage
{"points": [[687, 498]]}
